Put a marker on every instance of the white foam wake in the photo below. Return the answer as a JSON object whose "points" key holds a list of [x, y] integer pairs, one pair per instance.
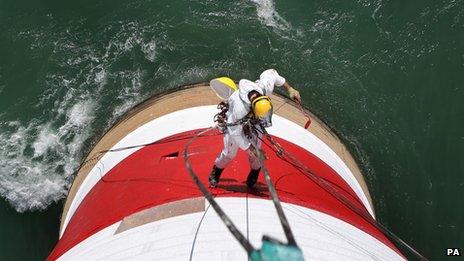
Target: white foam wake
{"points": [[268, 15], [40, 154], [37, 158], [130, 93]]}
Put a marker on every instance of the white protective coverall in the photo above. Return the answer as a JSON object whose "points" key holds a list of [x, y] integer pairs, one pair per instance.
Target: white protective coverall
{"points": [[239, 107]]}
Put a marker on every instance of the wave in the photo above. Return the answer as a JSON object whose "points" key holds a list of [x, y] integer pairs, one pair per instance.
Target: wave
{"points": [[82, 81], [39, 158], [267, 14], [129, 95]]}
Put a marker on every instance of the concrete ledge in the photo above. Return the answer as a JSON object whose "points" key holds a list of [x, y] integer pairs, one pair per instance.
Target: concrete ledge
{"points": [[172, 209]]}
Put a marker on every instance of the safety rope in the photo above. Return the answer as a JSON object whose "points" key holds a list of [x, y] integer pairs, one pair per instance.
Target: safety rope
{"points": [[328, 187], [227, 221], [250, 123], [157, 142], [308, 122], [97, 155], [275, 198]]}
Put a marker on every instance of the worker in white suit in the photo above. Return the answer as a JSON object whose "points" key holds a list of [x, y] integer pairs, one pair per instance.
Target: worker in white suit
{"points": [[251, 99]]}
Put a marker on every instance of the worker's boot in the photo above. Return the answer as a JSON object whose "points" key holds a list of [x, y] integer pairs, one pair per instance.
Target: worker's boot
{"points": [[252, 177], [214, 176]]}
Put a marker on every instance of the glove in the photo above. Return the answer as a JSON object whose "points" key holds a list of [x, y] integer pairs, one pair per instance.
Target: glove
{"points": [[294, 94]]}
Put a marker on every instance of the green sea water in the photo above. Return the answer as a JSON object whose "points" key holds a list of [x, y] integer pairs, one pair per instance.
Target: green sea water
{"points": [[387, 76]]}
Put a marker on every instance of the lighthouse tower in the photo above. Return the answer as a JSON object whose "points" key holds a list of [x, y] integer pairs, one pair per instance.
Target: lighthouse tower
{"points": [[133, 197]]}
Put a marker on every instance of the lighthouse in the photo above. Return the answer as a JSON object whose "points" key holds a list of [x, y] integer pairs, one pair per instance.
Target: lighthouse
{"points": [[133, 197]]}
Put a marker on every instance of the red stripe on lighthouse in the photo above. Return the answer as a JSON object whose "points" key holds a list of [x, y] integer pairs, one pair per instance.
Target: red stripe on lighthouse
{"points": [[156, 175]]}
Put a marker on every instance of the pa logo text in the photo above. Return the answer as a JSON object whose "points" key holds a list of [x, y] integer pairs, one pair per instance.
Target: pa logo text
{"points": [[453, 252]]}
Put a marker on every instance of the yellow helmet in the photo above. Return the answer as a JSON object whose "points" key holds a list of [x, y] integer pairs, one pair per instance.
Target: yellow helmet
{"points": [[262, 107]]}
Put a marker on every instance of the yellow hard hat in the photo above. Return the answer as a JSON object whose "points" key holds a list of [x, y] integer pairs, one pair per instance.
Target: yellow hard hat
{"points": [[262, 107]]}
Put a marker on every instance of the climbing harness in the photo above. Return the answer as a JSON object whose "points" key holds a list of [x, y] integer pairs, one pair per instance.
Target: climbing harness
{"points": [[220, 118], [249, 128]]}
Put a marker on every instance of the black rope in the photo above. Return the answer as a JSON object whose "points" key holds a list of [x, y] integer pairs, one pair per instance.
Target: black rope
{"points": [[165, 140], [281, 152], [232, 228], [275, 198]]}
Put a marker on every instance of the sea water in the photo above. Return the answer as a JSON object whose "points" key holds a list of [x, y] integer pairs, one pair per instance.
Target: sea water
{"points": [[385, 75]]}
